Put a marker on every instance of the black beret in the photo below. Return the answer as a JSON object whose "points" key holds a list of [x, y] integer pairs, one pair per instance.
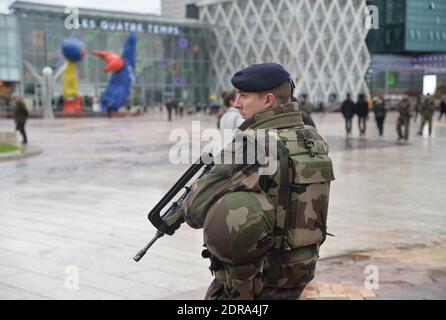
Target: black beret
{"points": [[260, 77]]}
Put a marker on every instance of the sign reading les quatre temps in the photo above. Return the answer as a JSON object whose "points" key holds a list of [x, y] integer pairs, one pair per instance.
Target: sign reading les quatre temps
{"points": [[110, 25]]}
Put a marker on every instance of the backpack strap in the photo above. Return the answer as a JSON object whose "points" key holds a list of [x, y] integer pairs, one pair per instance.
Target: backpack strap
{"points": [[282, 195]]}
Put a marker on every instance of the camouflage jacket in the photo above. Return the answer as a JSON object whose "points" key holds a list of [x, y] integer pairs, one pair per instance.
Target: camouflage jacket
{"points": [[405, 110], [428, 108], [298, 189]]}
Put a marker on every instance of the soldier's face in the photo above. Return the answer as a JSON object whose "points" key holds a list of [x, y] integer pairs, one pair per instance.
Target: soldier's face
{"points": [[250, 103]]}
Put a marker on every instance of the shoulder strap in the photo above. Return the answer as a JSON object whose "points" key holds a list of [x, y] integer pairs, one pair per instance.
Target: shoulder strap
{"points": [[282, 196]]}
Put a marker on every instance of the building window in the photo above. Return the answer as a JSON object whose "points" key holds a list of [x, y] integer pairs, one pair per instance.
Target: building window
{"points": [[389, 12], [431, 35], [418, 34]]}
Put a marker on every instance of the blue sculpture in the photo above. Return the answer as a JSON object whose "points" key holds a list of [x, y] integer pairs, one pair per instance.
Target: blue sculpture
{"points": [[123, 68], [73, 49]]}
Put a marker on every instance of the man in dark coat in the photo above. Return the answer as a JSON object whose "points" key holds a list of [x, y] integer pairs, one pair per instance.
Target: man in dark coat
{"points": [[362, 110], [348, 110], [442, 107], [20, 117], [379, 107]]}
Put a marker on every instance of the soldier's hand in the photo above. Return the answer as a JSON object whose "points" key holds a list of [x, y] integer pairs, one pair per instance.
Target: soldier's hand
{"points": [[174, 220]]}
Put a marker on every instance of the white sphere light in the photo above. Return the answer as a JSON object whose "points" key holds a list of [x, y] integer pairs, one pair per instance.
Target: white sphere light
{"points": [[47, 71]]}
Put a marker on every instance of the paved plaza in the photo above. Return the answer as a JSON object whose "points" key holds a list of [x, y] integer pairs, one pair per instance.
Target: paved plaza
{"points": [[79, 211]]}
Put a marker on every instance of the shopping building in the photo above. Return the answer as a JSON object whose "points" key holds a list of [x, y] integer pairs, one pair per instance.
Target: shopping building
{"points": [[321, 42], [172, 54]]}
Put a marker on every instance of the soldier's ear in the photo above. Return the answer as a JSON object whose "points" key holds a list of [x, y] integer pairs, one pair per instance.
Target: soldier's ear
{"points": [[270, 100]]}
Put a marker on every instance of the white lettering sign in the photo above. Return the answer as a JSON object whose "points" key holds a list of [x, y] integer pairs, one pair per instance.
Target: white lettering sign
{"points": [[110, 25]]}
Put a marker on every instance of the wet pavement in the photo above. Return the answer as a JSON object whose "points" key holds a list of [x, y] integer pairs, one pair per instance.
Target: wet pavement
{"points": [[79, 211]]}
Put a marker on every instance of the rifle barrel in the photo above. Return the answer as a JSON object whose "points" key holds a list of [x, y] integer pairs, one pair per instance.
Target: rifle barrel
{"points": [[141, 253]]}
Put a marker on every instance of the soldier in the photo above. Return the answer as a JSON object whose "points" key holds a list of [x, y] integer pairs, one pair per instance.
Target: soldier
{"points": [[262, 232], [405, 113], [427, 113]]}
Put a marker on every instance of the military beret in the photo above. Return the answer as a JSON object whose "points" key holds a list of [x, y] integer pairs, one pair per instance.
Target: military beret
{"points": [[260, 77]]}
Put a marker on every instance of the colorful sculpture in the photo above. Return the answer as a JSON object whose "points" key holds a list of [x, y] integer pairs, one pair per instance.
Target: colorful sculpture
{"points": [[73, 51], [123, 68]]}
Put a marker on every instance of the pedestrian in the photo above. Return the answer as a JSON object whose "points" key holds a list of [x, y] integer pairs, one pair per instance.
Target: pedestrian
{"points": [[169, 107], [417, 107], [175, 106], [305, 105], [348, 111], [379, 108], [261, 243], [322, 107], [306, 117], [20, 117], [442, 108], [427, 113], [109, 110], [231, 119], [403, 123], [362, 111], [181, 108]]}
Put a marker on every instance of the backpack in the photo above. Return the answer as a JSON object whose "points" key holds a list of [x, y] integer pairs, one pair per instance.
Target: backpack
{"points": [[302, 202]]}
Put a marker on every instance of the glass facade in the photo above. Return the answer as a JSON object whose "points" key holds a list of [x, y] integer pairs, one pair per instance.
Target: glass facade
{"points": [[409, 26], [172, 57], [9, 47], [321, 43]]}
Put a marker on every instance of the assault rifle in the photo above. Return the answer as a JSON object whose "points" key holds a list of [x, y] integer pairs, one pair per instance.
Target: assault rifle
{"points": [[172, 219]]}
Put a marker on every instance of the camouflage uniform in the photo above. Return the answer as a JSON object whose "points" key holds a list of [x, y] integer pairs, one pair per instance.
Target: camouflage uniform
{"points": [[405, 113], [427, 113], [263, 233]]}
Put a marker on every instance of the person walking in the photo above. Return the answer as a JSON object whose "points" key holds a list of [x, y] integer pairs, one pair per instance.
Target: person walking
{"points": [[362, 110], [403, 123], [442, 108], [348, 110], [379, 108], [427, 113], [20, 117], [169, 107]]}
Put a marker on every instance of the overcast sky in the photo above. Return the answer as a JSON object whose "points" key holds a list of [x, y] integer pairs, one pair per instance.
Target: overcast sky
{"points": [[140, 6]]}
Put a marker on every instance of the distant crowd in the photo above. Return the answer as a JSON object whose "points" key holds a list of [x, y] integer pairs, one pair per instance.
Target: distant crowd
{"points": [[408, 108]]}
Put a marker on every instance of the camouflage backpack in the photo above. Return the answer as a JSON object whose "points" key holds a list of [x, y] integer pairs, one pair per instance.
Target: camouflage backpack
{"points": [[302, 203]]}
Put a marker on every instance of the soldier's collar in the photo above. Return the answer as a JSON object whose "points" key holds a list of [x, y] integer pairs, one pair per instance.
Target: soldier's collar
{"points": [[288, 114]]}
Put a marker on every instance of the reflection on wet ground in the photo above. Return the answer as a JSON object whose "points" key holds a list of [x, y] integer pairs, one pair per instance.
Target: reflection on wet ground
{"points": [[84, 202]]}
